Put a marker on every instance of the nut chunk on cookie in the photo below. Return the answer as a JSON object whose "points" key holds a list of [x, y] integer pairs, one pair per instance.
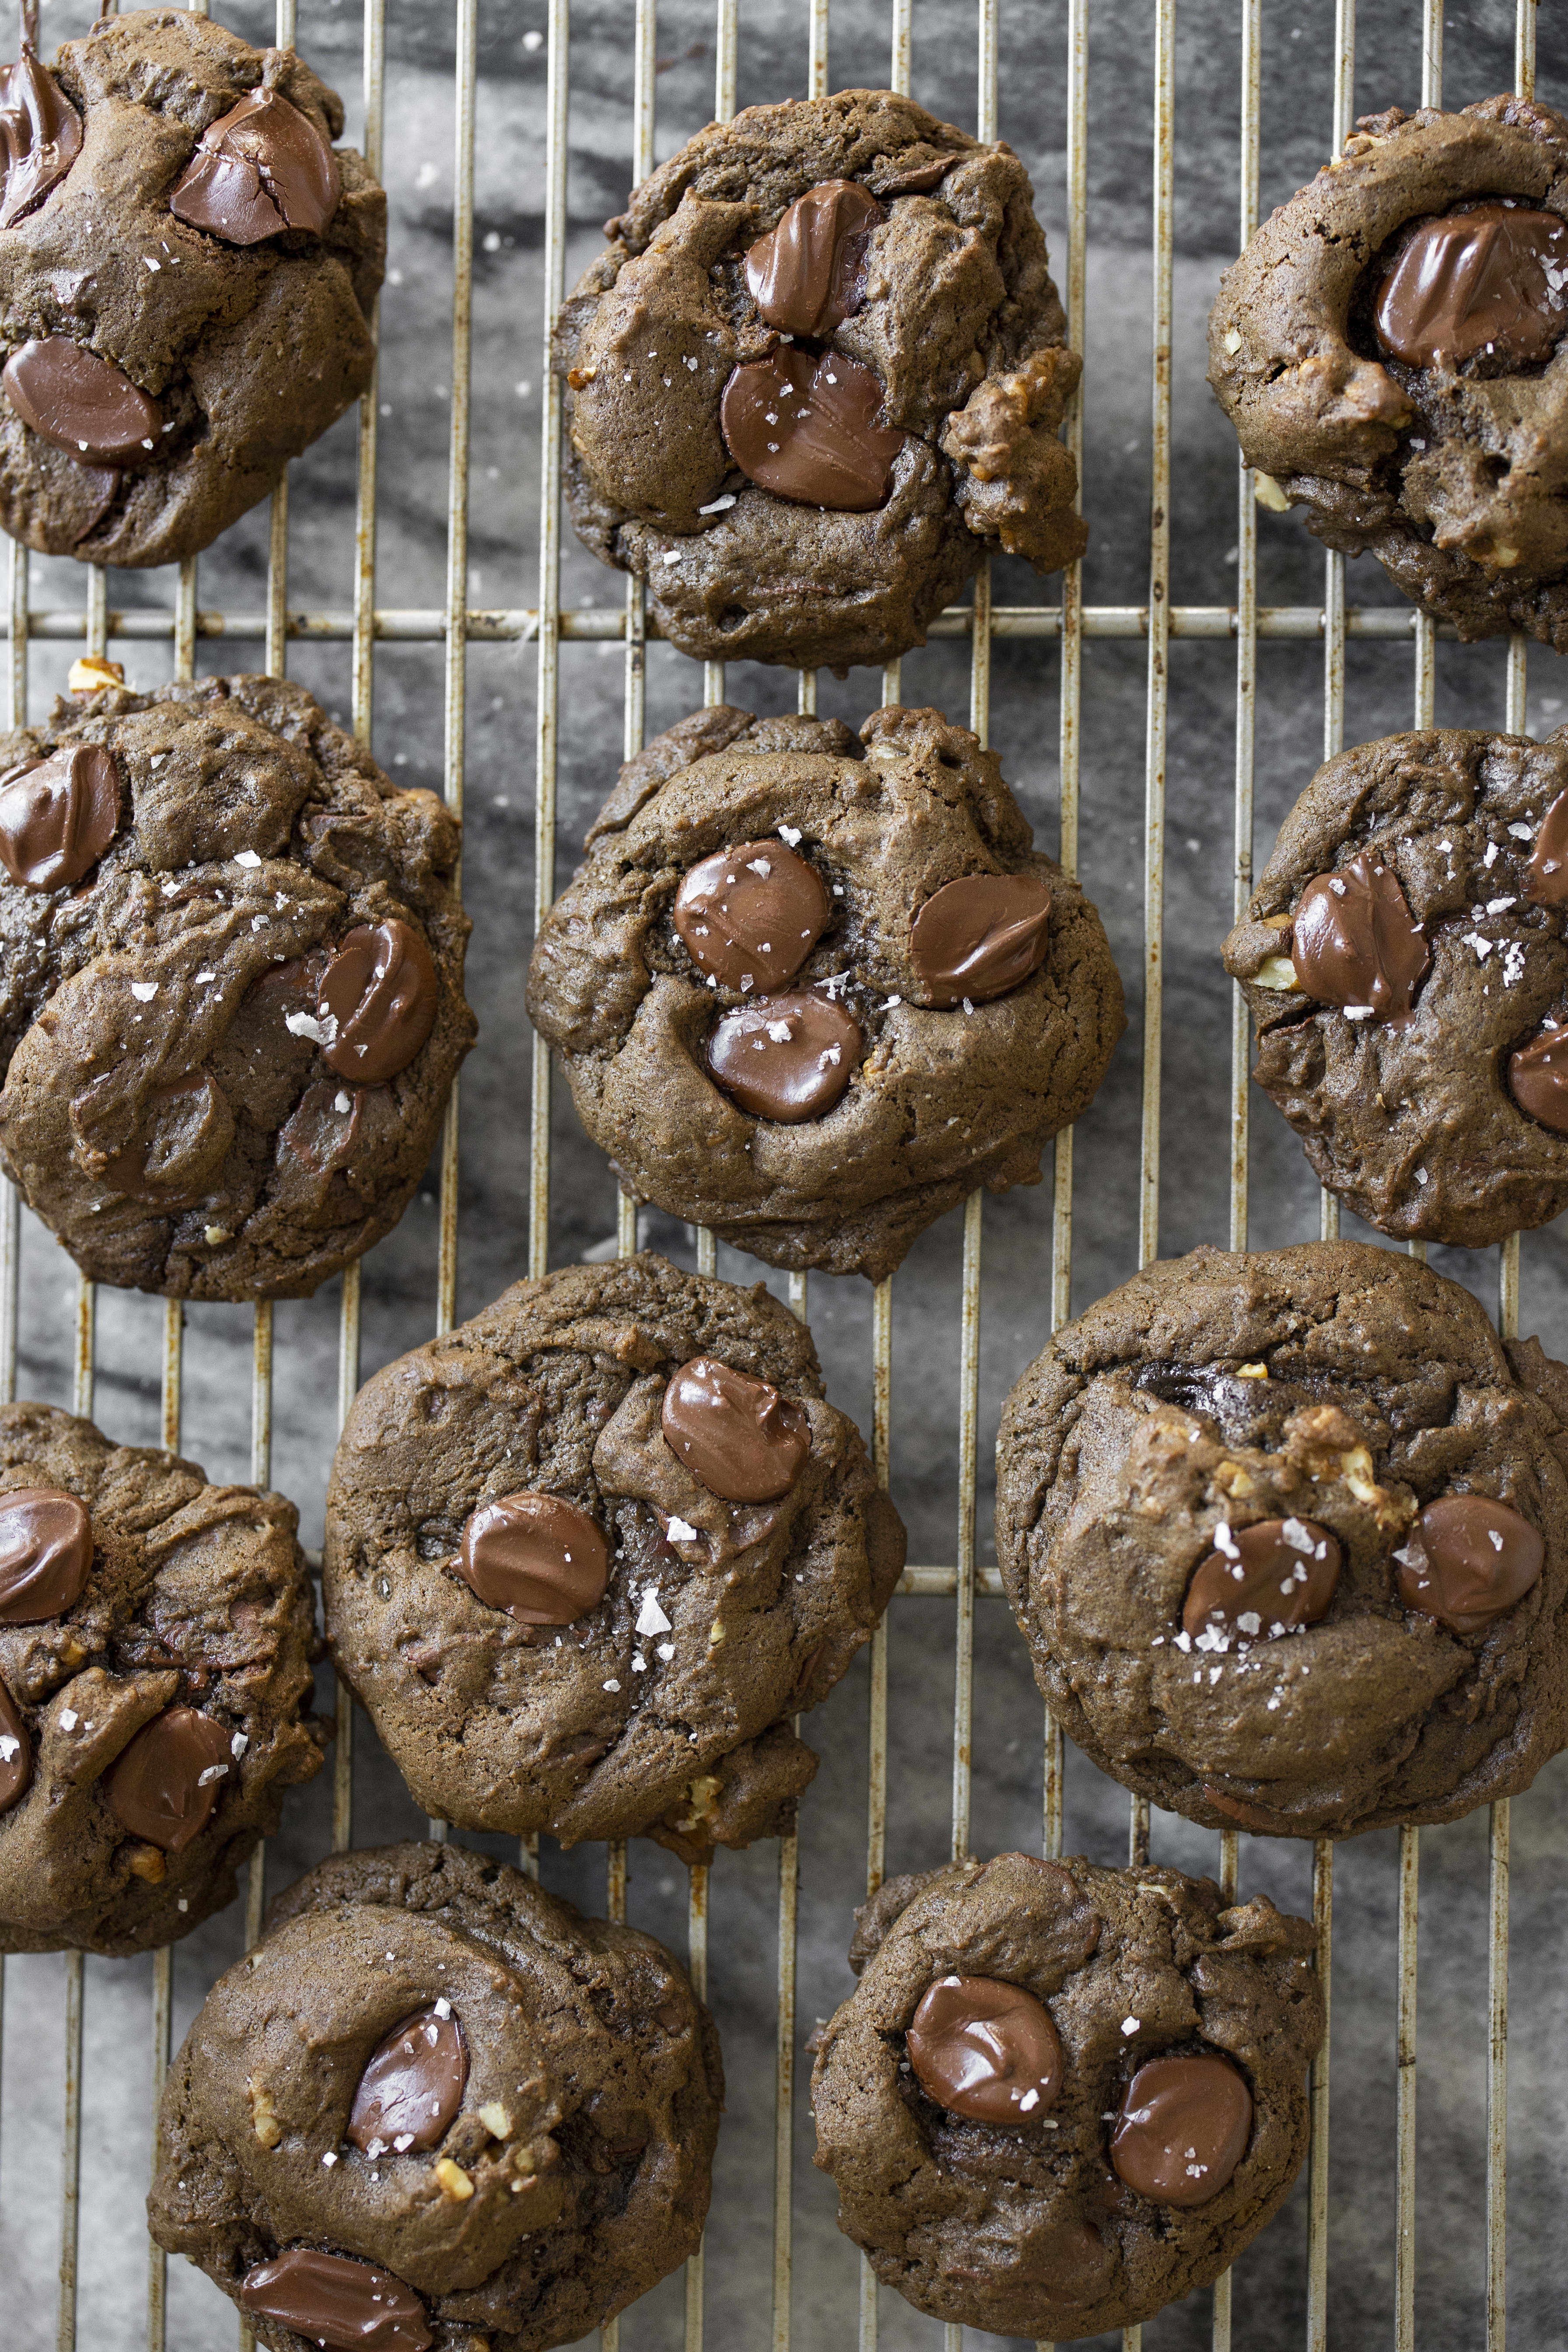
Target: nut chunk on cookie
{"points": [[1287, 1534], [1064, 2097], [811, 991], [588, 1554], [156, 1641], [436, 2100]]}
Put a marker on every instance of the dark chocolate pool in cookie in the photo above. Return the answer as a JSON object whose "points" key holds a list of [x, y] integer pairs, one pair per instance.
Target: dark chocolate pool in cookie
{"points": [[818, 373], [1063, 2096], [1287, 1534], [1404, 960], [231, 986], [188, 274], [588, 1554], [1390, 350], [156, 1641], [436, 2107], [811, 992]]}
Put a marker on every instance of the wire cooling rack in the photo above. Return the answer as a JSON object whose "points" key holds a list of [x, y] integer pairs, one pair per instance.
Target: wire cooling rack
{"points": [[99, 2279]]}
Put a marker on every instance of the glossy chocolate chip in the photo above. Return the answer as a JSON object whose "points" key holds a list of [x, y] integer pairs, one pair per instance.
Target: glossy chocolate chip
{"points": [[1538, 1079], [261, 168], [1468, 1561], [412, 2087], [785, 1058], [915, 178], [1547, 879], [808, 275], [380, 990], [1261, 1581], [980, 936], [40, 136], [45, 1550], [1489, 279], [737, 1435], [1183, 2129], [163, 1785], [539, 1557], [58, 816], [81, 403], [346, 2306], [15, 1753], [1353, 944], [324, 1126], [986, 2049], [751, 915], [807, 429]]}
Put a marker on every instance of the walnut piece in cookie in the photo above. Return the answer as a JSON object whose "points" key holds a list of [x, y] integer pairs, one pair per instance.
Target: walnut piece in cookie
{"points": [[1404, 961], [436, 2100], [1064, 2097], [588, 1554], [1287, 1534], [810, 992], [156, 1641], [819, 370]]}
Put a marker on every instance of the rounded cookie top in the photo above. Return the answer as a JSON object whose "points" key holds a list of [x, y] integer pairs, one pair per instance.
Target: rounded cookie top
{"points": [[820, 368], [1405, 961], [156, 1641], [586, 1555], [1160, 2137], [937, 997], [1388, 348], [231, 992], [188, 271], [1286, 1534], [436, 2097]]}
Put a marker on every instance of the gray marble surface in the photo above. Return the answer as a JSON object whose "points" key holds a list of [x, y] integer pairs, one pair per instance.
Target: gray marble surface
{"points": [[415, 426]]}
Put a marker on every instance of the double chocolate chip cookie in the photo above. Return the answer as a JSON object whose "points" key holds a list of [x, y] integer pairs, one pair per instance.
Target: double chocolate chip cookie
{"points": [[231, 986], [156, 1640], [811, 996], [1389, 350], [188, 275], [437, 2108], [1404, 960], [818, 375], [1287, 1534], [587, 1555], [1062, 2096]]}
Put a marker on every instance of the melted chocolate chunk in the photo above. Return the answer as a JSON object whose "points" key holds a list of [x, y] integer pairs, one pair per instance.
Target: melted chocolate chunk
{"points": [[1263, 1581], [323, 1126], [981, 936], [1183, 2129], [165, 1784], [412, 2087], [751, 915], [739, 1436], [346, 2306], [380, 989], [183, 1129], [787, 1058], [916, 178], [808, 275], [15, 1753], [1538, 1079], [81, 403], [1353, 944], [1469, 1560], [1547, 880], [57, 816], [1489, 279], [40, 136], [1237, 1404], [808, 429], [261, 168], [46, 1551], [986, 2049], [539, 1558]]}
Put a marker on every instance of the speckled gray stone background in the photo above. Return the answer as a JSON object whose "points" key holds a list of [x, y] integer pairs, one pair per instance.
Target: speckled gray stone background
{"points": [[399, 1287]]}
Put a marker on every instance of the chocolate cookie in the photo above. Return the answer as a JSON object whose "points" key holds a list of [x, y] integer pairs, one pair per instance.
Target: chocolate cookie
{"points": [[437, 2106], [157, 1638], [1387, 348], [812, 998], [817, 374], [1287, 1534], [231, 986], [1405, 961], [188, 273], [1062, 2096], [586, 1555]]}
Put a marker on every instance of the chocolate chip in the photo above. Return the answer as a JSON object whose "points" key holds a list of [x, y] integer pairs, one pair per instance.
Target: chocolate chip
{"points": [[808, 429], [1468, 1561], [915, 178], [81, 403], [1547, 880], [539, 1557], [40, 136], [15, 1753], [744, 1440], [751, 915], [1538, 1079], [1352, 942], [413, 2083], [986, 2049], [1262, 1581], [1183, 2129], [980, 936], [186, 1129], [58, 816], [261, 168], [671, 2015], [1476, 282], [787, 1058], [158, 1784], [808, 275], [380, 989], [45, 1550], [346, 2306], [321, 1128]]}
